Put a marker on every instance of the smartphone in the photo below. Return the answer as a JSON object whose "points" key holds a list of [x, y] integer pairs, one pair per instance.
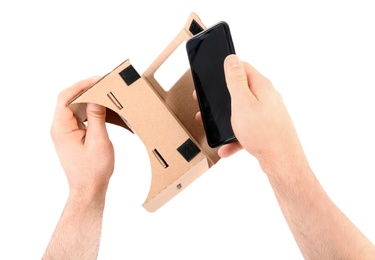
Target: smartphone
{"points": [[207, 51]]}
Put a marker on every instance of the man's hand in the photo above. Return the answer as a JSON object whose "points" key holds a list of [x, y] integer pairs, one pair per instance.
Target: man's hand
{"points": [[260, 119], [264, 128], [86, 153], [87, 157]]}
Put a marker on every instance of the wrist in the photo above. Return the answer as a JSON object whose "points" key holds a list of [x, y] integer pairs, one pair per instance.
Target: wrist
{"points": [[87, 195], [284, 164]]}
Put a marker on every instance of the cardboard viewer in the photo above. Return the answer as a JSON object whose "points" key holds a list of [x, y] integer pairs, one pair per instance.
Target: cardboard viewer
{"points": [[164, 120]]}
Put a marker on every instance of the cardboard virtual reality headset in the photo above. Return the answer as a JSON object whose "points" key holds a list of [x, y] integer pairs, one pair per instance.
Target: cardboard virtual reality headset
{"points": [[163, 120]]}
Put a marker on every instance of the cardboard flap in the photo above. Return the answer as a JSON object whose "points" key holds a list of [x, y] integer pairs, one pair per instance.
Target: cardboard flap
{"points": [[192, 26], [179, 98]]}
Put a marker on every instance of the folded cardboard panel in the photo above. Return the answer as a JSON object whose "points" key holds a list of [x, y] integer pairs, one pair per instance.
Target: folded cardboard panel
{"points": [[164, 120]]}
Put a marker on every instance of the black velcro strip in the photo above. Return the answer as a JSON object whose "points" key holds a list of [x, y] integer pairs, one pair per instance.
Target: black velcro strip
{"points": [[129, 75], [188, 150], [195, 27]]}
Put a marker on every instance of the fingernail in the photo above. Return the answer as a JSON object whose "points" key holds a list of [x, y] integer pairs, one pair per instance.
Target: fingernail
{"points": [[232, 61]]}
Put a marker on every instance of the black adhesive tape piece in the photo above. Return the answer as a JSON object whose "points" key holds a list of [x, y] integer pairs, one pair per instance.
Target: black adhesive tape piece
{"points": [[129, 75], [195, 27], [188, 150]]}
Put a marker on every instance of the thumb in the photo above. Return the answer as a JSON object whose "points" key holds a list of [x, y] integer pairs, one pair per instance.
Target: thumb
{"points": [[236, 78], [96, 121]]}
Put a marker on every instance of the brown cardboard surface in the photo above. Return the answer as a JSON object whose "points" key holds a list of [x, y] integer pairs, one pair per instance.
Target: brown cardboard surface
{"points": [[171, 115]]}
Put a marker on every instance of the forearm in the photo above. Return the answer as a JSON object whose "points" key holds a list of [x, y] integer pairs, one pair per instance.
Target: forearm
{"points": [[320, 229], [77, 234]]}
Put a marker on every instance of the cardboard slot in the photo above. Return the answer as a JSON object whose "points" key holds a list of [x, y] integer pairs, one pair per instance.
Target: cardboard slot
{"points": [[160, 158], [114, 100]]}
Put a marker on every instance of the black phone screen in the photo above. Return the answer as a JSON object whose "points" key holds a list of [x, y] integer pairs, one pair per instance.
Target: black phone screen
{"points": [[207, 52]]}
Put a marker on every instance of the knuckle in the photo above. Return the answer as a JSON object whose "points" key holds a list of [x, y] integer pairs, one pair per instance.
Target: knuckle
{"points": [[96, 113], [237, 78]]}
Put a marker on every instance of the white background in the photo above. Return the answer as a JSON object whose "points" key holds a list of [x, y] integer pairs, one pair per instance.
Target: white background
{"points": [[319, 55]]}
